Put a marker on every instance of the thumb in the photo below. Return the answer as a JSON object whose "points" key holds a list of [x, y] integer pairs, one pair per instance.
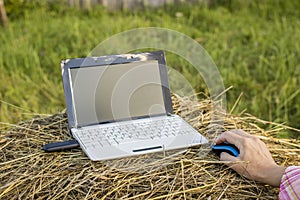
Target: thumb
{"points": [[227, 157], [237, 167]]}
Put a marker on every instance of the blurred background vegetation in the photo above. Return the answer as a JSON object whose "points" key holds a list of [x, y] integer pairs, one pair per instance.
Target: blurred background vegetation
{"points": [[254, 43]]}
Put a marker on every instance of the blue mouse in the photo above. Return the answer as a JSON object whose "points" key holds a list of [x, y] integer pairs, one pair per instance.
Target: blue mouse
{"points": [[226, 147]]}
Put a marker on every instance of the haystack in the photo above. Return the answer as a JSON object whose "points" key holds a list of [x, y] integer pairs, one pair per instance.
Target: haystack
{"points": [[29, 173]]}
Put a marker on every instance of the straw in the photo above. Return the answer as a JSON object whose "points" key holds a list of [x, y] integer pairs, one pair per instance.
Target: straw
{"points": [[27, 172]]}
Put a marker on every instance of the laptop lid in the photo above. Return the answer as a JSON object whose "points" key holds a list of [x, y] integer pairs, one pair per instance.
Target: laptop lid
{"points": [[115, 88]]}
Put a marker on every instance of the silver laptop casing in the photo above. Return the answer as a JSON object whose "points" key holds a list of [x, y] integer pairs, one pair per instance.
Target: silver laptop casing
{"points": [[128, 149]]}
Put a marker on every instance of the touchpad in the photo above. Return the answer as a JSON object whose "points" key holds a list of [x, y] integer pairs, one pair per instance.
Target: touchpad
{"points": [[147, 149]]}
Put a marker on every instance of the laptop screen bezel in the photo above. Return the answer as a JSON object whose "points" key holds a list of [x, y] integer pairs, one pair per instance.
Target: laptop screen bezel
{"points": [[68, 64]]}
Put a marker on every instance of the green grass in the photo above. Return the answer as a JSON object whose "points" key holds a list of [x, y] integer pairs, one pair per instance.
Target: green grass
{"points": [[255, 44]]}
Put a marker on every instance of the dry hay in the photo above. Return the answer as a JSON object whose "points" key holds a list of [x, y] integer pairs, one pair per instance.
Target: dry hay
{"points": [[29, 173]]}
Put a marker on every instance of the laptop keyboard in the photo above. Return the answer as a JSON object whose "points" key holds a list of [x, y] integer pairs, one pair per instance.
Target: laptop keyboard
{"points": [[144, 129]]}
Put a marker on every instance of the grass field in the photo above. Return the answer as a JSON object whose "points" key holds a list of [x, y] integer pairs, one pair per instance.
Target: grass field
{"points": [[255, 44]]}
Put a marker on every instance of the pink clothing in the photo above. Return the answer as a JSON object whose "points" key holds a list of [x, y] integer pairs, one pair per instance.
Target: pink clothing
{"points": [[290, 184]]}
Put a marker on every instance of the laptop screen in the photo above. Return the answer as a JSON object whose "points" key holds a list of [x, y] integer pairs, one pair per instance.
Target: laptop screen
{"points": [[116, 92]]}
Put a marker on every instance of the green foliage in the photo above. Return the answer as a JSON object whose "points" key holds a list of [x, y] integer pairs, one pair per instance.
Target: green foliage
{"points": [[17, 8], [255, 44]]}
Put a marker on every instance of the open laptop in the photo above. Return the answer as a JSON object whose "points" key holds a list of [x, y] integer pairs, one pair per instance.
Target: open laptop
{"points": [[120, 105]]}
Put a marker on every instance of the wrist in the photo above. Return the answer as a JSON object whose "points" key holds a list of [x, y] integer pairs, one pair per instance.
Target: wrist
{"points": [[273, 175]]}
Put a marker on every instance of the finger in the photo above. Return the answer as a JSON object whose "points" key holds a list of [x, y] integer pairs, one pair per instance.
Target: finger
{"points": [[230, 137], [238, 167], [227, 157]]}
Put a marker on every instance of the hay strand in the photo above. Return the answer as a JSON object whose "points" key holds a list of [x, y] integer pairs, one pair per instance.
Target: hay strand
{"points": [[29, 173]]}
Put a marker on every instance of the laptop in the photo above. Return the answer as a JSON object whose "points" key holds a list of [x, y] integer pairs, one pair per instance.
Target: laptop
{"points": [[120, 106]]}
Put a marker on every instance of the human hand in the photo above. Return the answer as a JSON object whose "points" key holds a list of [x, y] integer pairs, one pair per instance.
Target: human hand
{"points": [[257, 162]]}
